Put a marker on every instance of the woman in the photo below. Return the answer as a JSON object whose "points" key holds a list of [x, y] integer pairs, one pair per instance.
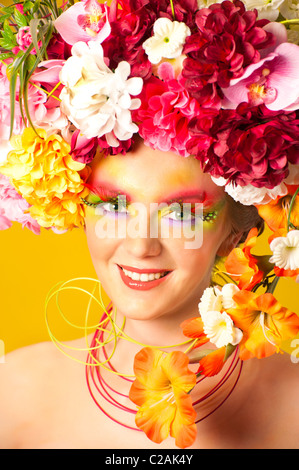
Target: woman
{"points": [[46, 404], [155, 223]]}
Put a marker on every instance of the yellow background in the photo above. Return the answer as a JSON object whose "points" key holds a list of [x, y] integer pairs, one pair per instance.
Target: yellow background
{"points": [[32, 264]]}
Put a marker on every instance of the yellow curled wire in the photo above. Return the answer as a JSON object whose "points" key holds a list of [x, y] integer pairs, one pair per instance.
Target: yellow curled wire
{"points": [[114, 333]]}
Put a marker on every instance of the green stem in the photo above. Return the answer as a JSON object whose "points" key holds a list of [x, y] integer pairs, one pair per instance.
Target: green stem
{"points": [[273, 285], [172, 9], [291, 207], [294, 21]]}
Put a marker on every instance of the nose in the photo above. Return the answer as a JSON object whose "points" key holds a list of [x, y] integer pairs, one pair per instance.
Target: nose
{"points": [[141, 241]]}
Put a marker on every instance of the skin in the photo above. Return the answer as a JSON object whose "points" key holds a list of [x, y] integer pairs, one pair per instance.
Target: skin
{"points": [[44, 401]]}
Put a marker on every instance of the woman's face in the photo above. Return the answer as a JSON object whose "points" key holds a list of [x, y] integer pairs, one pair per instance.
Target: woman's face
{"points": [[154, 262]]}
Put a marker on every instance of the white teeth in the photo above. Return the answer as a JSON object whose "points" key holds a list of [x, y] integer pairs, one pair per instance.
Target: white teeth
{"points": [[144, 277]]}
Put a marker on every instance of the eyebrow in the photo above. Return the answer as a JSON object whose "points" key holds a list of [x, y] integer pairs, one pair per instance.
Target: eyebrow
{"points": [[186, 196], [110, 190]]}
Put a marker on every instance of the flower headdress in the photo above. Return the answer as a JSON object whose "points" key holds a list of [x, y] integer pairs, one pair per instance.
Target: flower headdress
{"points": [[212, 80]]}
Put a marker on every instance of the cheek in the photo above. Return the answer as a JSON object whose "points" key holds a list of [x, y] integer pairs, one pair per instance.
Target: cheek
{"points": [[196, 264], [101, 249]]}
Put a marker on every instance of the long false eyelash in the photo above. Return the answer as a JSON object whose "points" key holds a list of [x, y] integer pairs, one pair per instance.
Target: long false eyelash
{"points": [[101, 201], [92, 204], [209, 217]]}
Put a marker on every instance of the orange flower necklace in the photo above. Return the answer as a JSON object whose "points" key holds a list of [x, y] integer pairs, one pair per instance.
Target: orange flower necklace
{"points": [[156, 402]]}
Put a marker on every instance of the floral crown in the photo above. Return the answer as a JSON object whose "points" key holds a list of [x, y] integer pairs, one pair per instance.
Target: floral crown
{"points": [[213, 80]]}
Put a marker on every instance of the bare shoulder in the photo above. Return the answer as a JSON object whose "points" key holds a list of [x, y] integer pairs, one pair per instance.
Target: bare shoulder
{"points": [[282, 392], [29, 380]]}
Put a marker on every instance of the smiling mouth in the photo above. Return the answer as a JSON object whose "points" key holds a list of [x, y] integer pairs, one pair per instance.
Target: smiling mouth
{"points": [[142, 279]]}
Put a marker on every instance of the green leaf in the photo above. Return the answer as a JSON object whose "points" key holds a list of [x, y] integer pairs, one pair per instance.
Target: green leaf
{"points": [[35, 6], [6, 55], [7, 32], [27, 6], [34, 34], [6, 45], [13, 83], [8, 10], [229, 349], [4, 17], [20, 19]]}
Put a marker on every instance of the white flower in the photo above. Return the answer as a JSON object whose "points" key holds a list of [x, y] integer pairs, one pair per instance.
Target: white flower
{"points": [[290, 9], [286, 251], [207, 3], [210, 300], [218, 326], [249, 194], [220, 329], [268, 9], [168, 40], [95, 99]]}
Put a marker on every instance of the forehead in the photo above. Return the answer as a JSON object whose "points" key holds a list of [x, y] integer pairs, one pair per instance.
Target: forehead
{"points": [[152, 175]]}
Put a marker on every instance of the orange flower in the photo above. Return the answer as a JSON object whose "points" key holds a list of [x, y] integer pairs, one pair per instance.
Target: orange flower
{"points": [[276, 212], [264, 322], [212, 363], [161, 392], [242, 266]]}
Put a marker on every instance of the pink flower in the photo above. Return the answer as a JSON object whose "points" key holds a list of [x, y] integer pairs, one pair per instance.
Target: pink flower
{"points": [[24, 40], [13, 208], [273, 81], [49, 71], [83, 150], [84, 21], [165, 112]]}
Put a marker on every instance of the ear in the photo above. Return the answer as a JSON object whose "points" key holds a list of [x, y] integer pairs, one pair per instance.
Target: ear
{"points": [[229, 244]]}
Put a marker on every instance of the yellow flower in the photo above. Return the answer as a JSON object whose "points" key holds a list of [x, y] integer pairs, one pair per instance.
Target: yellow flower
{"points": [[161, 392], [44, 173]]}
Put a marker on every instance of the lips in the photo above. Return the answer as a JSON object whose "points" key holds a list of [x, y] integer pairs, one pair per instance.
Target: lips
{"points": [[142, 279]]}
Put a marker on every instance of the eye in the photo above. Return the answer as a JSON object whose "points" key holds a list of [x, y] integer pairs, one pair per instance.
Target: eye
{"points": [[179, 213], [113, 206], [185, 213]]}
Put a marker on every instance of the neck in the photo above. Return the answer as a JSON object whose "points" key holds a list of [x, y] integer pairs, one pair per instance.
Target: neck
{"points": [[208, 394]]}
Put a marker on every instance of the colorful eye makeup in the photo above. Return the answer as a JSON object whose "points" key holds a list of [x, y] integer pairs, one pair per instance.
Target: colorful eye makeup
{"points": [[114, 203]]}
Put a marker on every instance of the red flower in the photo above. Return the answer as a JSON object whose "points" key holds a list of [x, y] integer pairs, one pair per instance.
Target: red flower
{"points": [[123, 147], [250, 145], [228, 39], [58, 48]]}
